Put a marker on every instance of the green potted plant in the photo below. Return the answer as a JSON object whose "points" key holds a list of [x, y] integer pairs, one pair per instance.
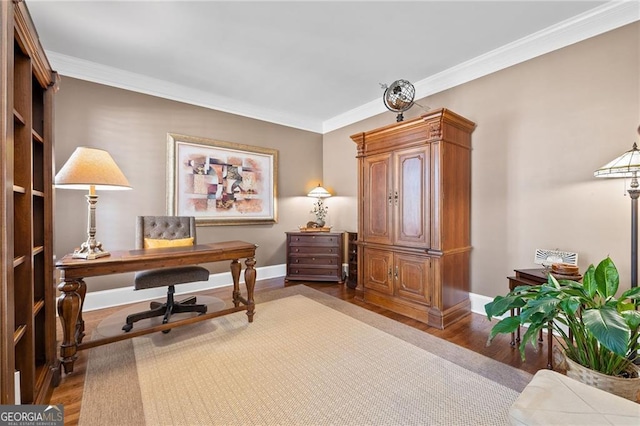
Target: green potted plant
{"points": [[596, 330]]}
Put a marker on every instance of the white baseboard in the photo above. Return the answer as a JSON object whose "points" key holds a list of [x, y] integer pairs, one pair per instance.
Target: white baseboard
{"points": [[477, 303], [125, 295]]}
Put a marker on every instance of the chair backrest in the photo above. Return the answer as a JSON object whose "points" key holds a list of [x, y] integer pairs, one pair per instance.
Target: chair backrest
{"points": [[164, 227]]}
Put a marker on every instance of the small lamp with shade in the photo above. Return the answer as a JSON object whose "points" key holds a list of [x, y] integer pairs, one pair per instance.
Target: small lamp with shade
{"points": [[91, 169], [319, 209]]}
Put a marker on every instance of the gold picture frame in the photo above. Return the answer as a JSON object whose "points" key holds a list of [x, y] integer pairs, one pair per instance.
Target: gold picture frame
{"points": [[221, 183]]}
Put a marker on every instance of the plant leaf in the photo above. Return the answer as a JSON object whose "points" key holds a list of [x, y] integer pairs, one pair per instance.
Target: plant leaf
{"points": [[609, 328], [632, 317], [570, 305], [506, 325], [531, 335], [552, 282], [502, 304], [607, 278], [589, 281], [545, 307], [633, 293]]}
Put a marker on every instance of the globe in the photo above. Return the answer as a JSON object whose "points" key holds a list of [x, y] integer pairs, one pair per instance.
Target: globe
{"points": [[398, 97]]}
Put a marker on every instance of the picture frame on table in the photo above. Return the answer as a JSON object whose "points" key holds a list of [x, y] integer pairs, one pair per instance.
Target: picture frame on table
{"points": [[221, 183]]}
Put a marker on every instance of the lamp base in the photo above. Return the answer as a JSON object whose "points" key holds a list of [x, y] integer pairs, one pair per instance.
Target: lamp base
{"points": [[90, 251]]}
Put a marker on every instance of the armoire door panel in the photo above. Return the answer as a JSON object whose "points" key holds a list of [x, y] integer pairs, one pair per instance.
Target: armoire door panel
{"points": [[414, 278], [378, 270], [412, 205], [377, 206]]}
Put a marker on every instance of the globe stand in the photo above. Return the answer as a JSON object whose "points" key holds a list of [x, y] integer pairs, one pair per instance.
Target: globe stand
{"points": [[399, 97]]}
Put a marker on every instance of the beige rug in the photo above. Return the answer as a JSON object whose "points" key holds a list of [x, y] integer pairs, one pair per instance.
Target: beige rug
{"points": [[300, 362]]}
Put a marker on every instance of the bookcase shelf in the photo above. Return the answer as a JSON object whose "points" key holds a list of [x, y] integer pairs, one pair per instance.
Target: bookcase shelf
{"points": [[18, 118], [27, 296], [17, 335], [37, 137]]}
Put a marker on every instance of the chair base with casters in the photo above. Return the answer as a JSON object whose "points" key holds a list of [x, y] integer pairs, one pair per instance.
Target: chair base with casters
{"points": [[168, 277]]}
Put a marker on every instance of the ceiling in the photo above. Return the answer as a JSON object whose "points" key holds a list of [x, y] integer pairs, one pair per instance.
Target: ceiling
{"points": [[311, 65]]}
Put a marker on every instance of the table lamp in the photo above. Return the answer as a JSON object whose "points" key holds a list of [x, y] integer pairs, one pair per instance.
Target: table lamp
{"points": [[319, 209], [91, 169], [628, 165]]}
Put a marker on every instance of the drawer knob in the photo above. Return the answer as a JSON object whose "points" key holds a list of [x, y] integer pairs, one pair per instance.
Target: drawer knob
{"points": [[297, 249], [297, 261]]}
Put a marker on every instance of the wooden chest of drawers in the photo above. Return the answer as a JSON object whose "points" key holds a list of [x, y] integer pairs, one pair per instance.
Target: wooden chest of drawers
{"points": [[314, 256]]}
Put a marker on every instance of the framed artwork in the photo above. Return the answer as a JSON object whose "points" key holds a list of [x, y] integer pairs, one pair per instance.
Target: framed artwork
{"points": [[221, 183]]}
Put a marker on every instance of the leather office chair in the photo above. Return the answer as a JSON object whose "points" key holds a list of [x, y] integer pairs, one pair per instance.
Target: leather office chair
{"points": [[166, 231]]}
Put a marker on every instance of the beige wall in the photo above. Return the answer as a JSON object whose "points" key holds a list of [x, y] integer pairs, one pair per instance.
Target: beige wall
{"points": [[133, 127], [543, 127]]}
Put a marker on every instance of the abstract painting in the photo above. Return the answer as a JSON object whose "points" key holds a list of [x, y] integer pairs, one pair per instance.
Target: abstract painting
{"points": [[221, 183]]}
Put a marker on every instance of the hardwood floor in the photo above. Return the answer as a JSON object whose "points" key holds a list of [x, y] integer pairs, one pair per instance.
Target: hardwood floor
{"points": [[471, 333]]}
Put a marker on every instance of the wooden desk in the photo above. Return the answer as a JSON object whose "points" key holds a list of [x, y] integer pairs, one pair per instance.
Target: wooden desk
{"points": [[530, 277], [73, 288]]}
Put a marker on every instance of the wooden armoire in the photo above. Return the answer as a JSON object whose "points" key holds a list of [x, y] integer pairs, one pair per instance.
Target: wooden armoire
{"points": [[27, 287], [414, 198]]}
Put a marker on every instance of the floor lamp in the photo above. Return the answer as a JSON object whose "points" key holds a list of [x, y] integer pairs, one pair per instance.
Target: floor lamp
{"points": [[628, 166], [91, 169]]}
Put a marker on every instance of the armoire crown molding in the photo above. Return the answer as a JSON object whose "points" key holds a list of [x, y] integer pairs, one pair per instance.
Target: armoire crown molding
{"points": [[599, 20]]}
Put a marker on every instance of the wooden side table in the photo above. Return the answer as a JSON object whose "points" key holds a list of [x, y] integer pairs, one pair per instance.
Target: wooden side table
{"points": [[530, 277]]}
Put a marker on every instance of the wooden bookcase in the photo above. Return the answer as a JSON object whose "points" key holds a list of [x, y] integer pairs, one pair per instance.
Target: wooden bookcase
{"points": [[27, 293]]}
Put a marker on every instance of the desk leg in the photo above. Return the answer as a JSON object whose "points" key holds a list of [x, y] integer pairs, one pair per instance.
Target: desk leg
{"points": [[82, 292], [250, 281], [69, 304], [235, 274]]}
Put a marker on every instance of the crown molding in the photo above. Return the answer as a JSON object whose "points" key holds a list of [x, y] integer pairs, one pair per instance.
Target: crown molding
{"points": [[599, 20], [71, 66]]}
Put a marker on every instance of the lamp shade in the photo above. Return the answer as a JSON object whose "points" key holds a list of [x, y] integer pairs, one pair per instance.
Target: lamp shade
{"points": [[319, 192], [625, 165], [91, 167]]}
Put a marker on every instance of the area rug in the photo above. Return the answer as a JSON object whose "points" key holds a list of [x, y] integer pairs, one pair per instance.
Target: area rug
{"points": [[307, 359]]}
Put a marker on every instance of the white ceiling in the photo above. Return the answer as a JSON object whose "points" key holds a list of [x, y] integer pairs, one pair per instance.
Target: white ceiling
{"points": [[311, 65]]}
